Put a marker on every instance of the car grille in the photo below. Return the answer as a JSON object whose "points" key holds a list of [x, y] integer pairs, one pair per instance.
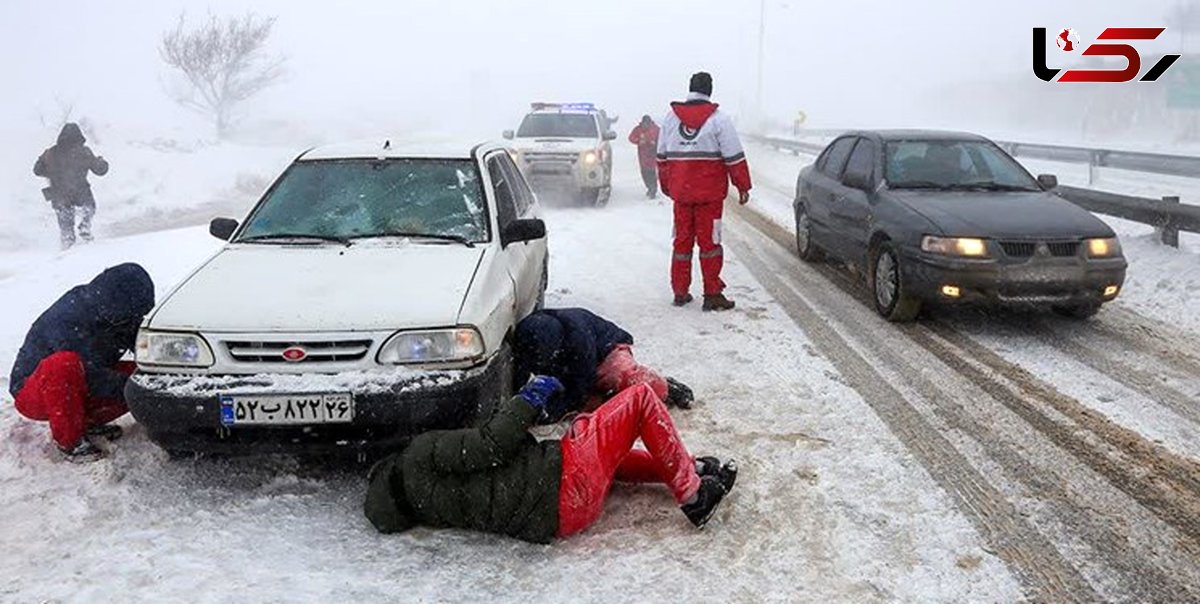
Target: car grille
{"points": [[1026, 249], [316, 352], [545, 156]]}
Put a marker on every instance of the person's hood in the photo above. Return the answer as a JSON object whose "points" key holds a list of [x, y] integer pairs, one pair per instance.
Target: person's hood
{"points": [[71, 134], [695, 111], [122, 294], [647, 120], [535, 346]]}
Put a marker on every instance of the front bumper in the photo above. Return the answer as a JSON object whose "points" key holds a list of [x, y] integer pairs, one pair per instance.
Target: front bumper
{"points": [[1037, 281], [556, 174], [182, 413]]}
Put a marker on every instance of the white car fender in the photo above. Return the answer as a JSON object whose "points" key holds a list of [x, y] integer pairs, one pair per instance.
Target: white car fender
{"points": [[490, 303]]}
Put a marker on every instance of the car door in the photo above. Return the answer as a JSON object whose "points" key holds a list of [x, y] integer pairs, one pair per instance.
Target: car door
{"points": [[515, 256], [850, 210], [824, 185], [536, 251]]}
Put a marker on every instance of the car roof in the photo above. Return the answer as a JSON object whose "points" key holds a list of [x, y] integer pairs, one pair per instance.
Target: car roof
{"points": [[918, 135], [399, 148]]}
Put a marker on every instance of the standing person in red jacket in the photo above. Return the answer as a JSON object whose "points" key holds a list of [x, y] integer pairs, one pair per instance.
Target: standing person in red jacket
{"points": [[645, 136], [698, 155]]}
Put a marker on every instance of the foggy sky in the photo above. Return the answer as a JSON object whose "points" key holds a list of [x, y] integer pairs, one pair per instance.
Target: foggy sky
{"points": [[474, 66]]}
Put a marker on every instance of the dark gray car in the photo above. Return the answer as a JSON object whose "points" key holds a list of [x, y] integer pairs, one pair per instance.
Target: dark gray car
{"points": [[944, 217]]}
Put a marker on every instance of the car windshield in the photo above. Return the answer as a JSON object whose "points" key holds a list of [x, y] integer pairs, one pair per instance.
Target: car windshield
{"points": [[360, 198], [954, 164], [567, 125]]}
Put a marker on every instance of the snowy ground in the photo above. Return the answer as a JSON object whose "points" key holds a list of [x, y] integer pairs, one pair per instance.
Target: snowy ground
{"points": [[830, 505]]}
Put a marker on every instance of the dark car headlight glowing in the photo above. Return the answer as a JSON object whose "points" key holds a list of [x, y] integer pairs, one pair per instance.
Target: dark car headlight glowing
{"points": [[967, 247], [1105, 247]]}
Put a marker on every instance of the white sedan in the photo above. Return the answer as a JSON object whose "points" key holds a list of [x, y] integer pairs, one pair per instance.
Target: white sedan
{"points": [[370, 294]]}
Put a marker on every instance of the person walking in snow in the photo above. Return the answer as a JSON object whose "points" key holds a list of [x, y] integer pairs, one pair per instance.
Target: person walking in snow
{"points": [[498, 478], [69, 370], [699, 153], [645, 136], [591, 356], [66, 165]]}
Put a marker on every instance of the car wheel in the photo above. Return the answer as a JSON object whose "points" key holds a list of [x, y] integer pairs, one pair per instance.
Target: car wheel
{"points": [[602, 196], [805, 247], [589, 197], [888, 290], [1086, 310]]}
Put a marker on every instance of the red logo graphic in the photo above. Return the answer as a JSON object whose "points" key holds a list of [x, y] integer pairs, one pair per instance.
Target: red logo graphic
{"points": [[1067, 39], [294, 354]]}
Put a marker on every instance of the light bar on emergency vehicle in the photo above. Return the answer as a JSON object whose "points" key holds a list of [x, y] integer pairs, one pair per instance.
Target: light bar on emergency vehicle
{"points": [[562, 106]]}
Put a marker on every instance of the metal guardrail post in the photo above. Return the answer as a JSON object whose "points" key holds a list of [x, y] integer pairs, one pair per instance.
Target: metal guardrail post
{"points": [[1094, 160], [1169, 232]]}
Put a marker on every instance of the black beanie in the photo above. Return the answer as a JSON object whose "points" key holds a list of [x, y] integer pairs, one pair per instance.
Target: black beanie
{"points": [[702, 83]]}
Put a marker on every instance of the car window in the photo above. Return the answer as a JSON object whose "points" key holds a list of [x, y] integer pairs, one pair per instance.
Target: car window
{"points": [[371, 197], [952, 164], [521, 193], [506, 205], [862, 160], [566, 125], [837, 155]]}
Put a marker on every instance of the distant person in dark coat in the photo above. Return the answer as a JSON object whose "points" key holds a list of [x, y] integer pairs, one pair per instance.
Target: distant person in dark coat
{"points": [[498, 478], [591, 356], [69, 370], [66, 165]]}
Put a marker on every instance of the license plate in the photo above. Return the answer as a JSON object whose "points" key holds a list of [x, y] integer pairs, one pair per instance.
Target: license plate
{"points": [[286, 409]]}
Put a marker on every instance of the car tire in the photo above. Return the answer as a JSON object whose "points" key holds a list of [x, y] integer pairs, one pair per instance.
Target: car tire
{"points": [[589, 197], [888, 290], [1080, 312], [805, 247]]}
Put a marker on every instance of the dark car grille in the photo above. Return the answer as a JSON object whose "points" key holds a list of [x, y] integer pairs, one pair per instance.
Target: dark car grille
{"points": [[1026, 249], [316, 352]]}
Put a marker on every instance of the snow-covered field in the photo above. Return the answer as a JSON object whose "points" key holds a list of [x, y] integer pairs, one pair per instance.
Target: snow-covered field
{"points": [[830, 505]]}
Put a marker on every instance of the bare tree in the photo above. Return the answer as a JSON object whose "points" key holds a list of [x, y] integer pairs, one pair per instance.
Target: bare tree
{"points": [[223, 62]]}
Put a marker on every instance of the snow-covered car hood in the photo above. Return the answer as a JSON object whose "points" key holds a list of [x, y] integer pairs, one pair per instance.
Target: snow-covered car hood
{"points": [[303, 288], [553, 144], [1004, 214]]}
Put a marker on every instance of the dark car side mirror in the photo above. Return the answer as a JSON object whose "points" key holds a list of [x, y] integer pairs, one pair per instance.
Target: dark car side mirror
{"points": [[526, 229], [509, 134], [857, 180], [222, 228], [1048, 181], [610, 136]]}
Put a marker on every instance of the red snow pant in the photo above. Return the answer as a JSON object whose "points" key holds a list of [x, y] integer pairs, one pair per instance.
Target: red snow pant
{"points": [[621, 371], [57, 392], [598, 448], [698, 224]]}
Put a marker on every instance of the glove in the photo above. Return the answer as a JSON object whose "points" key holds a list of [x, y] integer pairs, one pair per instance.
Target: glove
{"points": [[538, 390]]}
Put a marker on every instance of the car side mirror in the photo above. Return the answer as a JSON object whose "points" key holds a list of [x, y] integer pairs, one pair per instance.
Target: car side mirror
{"points": [[509, 134], [610, 136], [856, 180], [1048, 181], [222, 228], [526, 229]]}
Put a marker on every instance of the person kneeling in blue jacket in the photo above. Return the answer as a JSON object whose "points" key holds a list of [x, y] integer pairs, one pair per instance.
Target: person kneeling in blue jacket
{"points": [[69, 371], [591, 356]]}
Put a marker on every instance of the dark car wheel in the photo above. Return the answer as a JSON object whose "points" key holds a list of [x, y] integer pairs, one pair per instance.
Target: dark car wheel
{"points": [[888, 290], [1086, 310], [805, 247]]}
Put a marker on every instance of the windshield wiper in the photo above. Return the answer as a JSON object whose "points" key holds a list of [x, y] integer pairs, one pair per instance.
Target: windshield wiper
{"points": [[994, 186], [276, 236], [437, 236], [919, 184]]}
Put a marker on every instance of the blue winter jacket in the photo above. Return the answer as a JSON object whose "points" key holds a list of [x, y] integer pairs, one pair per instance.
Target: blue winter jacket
{"points": [[569, 344], [98, 321]]}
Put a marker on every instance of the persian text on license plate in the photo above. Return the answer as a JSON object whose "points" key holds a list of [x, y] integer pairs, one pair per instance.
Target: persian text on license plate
{"points": [[286, 409]]}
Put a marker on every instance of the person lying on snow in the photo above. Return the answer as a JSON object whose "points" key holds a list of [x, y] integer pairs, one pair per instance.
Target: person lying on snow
{"points": [[497, 478], [69, 370], [591, 356]]}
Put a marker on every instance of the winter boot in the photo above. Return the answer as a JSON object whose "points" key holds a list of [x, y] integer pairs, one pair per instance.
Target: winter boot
{"points": [[108, 432], [707, 466], [679, 395], [725, 473], [83, 452], [717, 302], [708, 497], [681, 300]]}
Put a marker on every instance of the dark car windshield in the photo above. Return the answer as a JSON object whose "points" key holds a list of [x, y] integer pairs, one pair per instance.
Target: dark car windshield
{"points": [[348, 199], [953, 164], [566, 125]]}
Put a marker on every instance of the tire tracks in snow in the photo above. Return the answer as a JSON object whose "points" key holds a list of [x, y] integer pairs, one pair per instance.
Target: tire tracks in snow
{"points": [[1145, 473]]}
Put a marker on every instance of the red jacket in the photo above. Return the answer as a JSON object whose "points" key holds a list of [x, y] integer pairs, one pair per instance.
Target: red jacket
{"points": [[646, 138], [699, 154]]}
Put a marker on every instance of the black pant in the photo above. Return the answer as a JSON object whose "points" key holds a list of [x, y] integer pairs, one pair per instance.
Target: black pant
{"points": [[66, 222], [650, 177]]}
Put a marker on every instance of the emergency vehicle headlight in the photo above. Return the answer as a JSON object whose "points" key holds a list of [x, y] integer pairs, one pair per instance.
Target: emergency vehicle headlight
{"points": [[590, 157], [172, 349]]}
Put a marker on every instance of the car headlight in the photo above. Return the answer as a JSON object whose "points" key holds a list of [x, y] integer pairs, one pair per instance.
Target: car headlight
{"points": [[172, 349], [1103, 247], [516, 155], [590, 157], [432, 346], [970, 247]]}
